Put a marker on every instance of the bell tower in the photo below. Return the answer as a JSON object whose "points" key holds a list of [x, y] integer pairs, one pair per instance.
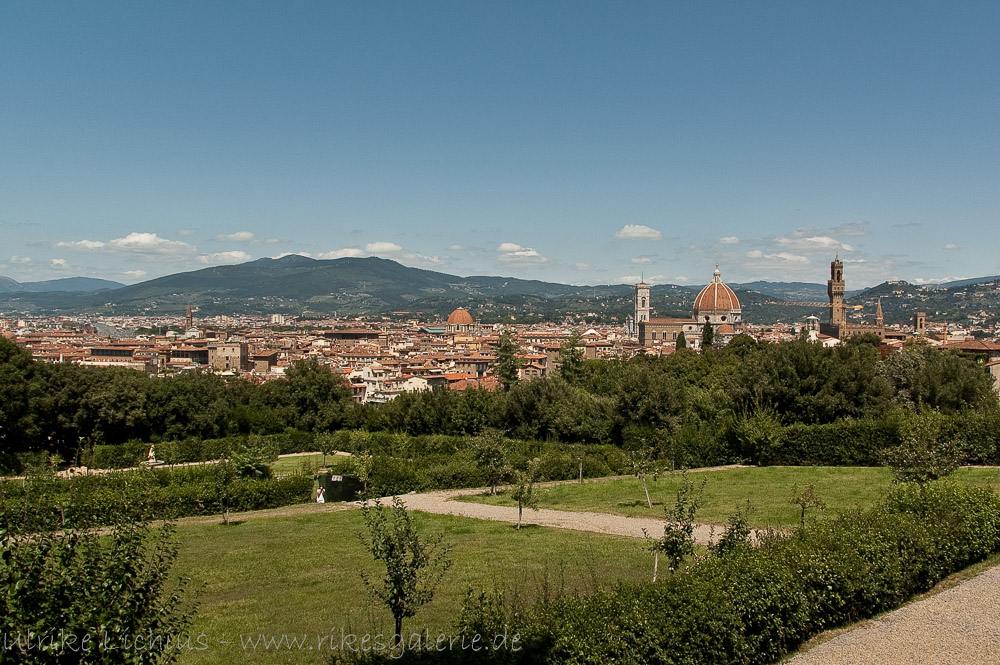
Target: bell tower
{"points": [[835, 288], [642, 304]]}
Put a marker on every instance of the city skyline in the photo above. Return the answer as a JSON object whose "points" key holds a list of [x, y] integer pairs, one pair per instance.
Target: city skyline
{"points": [[580, 144]]}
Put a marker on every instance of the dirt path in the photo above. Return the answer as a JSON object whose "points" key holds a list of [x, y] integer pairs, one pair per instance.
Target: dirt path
{"points": [[960, 626]]}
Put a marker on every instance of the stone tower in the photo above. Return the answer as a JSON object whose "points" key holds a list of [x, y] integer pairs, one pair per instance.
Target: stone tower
{"points": [[642, 304], [188, 318], [835, 288], [879, 316], [920, 324]]}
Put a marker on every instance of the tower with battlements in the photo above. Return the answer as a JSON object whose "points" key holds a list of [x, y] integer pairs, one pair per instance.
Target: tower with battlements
{"points": [[835, 287]]}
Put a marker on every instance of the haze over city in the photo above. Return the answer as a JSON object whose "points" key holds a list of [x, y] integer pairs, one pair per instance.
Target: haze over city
{"points": [[580, 143]]}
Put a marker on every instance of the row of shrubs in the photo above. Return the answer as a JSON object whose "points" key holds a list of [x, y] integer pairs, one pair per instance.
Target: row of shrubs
{"points": [[753, 605], [760, 440], [46, 502], [133, 453]]}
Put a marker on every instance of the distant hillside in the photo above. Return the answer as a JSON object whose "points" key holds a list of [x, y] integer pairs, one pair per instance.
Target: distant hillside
{"points": [[66, 284], [72, 284], [969, 282], [786, 291], [8, 285], [972, 303]]}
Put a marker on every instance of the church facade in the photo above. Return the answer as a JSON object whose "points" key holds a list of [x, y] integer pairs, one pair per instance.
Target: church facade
{"points": [[716, 303]]}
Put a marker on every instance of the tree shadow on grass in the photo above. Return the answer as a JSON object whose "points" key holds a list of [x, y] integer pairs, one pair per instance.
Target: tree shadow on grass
{"points": [[638, 504], [525, 526]]}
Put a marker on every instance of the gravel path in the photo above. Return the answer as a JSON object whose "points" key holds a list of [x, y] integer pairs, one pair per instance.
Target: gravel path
{"points": [[442, 503], [960, 626]]}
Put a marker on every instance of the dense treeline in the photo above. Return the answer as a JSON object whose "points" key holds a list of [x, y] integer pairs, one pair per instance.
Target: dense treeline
{"points": [[747, 402]]}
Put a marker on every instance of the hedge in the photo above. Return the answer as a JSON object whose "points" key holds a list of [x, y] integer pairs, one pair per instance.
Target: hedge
{"points": [[43, 503], [753, 605], [133, 453]]}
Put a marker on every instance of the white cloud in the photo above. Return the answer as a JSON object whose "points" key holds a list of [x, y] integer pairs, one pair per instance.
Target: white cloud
{"points": [[729, 240], [936, 280], [82, 245], [642, 259], [238, 236], [149, 243], [950, 245], [455, 248], [421, 259], [638, 232], [811, 239], [134, 274], [216, 258], [187, 232], [58, 263], [339, 253], [635, 279], [779, 256], [134, 243], [20, 259], [284, 254], [382, 247], [519, 256], [807, 243], [582, 266]]}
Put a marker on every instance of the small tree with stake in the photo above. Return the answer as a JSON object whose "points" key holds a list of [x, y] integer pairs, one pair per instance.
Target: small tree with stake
{"points": [[490, 451], [677, 540], [523, 491], [642, 466], [805, 498], [414, 565]]}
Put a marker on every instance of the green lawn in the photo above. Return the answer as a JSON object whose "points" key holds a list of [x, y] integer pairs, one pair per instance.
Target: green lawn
{"points": [[768, 488], [299, 575], [309, 463]]}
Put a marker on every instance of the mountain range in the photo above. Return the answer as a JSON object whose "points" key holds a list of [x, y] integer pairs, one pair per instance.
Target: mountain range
{"points": [[373, 286]]}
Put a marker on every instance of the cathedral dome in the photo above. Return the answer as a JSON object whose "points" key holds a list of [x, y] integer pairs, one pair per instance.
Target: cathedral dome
{"points": [[460, 317], [717, 303]]}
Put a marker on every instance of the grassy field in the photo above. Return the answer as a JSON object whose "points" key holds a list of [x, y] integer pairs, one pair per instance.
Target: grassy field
{"points": [[309, 463], [299, 575], [767, 488]]}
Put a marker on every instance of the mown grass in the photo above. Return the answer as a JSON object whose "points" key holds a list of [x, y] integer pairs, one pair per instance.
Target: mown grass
{"points": [[768, 489], [309, 464], [299, 575]]}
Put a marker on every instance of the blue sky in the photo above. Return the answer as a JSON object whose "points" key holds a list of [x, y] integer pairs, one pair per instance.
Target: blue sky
{"points": [[579, 142]]}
